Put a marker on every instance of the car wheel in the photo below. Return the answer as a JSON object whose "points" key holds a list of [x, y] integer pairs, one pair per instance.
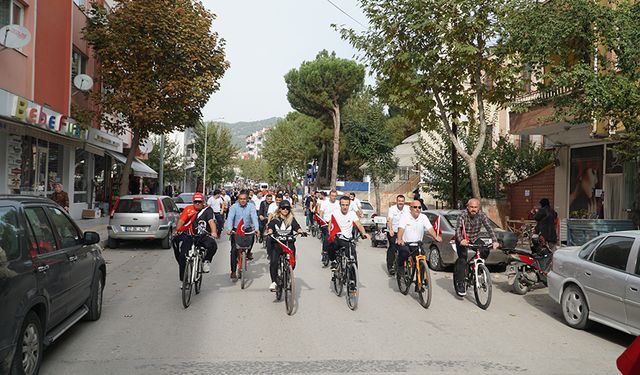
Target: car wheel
{"points": [[574, 308], [166, 242], [28, 354], [435, 261], [112, 243], [95, 301]]}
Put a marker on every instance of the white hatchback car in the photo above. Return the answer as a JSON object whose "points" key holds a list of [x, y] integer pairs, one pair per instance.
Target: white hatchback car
{"points": [[599, 281]]}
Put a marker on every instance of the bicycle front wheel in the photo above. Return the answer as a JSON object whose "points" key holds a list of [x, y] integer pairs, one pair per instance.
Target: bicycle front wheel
{"points": [[289, 289], [280, 281], [352, 286], [187, 284], [243, 267], [424, 286], [337, 280], [198, 276], [403, 277], [482, 287]]}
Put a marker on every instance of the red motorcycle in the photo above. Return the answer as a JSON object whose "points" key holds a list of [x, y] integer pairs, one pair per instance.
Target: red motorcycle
{"points": [[526, 269]]}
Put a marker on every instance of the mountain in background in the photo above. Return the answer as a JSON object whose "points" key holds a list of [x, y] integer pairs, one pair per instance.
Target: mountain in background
{"points": [[240, 130]]}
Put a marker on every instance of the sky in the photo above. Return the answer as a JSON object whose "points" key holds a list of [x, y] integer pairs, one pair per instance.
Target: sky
{"points": [[264, 40]]}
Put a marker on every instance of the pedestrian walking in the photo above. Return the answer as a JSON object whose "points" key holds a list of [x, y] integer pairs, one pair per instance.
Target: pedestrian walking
{"points": [[546, 223], [60, 196]]}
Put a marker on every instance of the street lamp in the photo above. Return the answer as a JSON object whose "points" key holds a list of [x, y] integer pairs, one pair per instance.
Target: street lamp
{"points": [[204, 164]]}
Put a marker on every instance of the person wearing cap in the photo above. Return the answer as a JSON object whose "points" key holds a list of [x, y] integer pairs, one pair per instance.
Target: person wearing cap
{"points": [[196, 219], [282, 223]]}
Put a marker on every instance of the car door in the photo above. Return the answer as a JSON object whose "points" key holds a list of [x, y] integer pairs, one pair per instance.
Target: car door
{"points": [[81, 261], [604, 277], [171, 211], [632, 291], [50, 262]]}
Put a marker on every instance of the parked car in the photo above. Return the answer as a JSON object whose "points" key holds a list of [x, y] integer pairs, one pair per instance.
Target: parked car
{"points": [[442, 254], [599, 281], [183, 200], [143, 217], [51, 276]]}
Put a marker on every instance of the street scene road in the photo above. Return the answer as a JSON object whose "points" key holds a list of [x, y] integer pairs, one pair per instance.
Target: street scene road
{"points": [[144, 328]]}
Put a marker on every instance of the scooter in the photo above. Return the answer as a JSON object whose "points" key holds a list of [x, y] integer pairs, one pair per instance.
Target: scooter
{"points": [[526, 269], [379, 235]]}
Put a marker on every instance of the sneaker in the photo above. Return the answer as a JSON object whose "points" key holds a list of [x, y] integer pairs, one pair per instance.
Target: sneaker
{"points": [[391, 271], [334, 266], [461, 290], [180, 285], [233, 276], [206, 267], [249, 256], [273, 286]]}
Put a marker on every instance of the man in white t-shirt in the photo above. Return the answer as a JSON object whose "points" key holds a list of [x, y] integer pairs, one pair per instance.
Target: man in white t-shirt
{"points": [[328, 206], [346, 221], [273, 207], [396, 213], [216, 202], [411, 229], [356, 204]]}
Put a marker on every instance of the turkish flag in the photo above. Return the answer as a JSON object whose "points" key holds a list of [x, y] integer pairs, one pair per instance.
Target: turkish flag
{"points": [[286, 249], [436, 225], [464, 232], [629, 361], [319, 220], [240, 228], [334, 229]]}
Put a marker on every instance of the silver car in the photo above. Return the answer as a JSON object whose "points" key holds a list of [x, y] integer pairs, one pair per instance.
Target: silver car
{"points": [[183, 200], [367, 216], [599, 281], [143, 217]]}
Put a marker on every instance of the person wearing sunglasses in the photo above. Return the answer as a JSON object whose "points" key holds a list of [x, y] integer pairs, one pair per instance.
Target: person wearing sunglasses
{"points": [[411, 229], [396, 213], [282, 223], [195, 219]]}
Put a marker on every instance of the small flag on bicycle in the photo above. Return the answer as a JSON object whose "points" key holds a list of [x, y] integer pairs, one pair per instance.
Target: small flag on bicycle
{"points": [[319, 220], [286, 249], [436, 226], [464, 232], [240, 227], [334, 229]]}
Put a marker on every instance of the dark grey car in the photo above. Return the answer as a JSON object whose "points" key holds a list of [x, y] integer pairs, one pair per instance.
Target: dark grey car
{"points": [[443, 254], [51, 276]]}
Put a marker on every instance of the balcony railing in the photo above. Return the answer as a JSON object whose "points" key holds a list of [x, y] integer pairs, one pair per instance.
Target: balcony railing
{"points": [[541, 95]]}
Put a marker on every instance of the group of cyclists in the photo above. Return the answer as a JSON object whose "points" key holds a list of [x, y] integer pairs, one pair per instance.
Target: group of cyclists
{"points": [[272, 213]]}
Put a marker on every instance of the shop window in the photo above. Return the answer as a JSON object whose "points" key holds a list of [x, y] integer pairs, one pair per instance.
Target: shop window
{"points": [[40, 166], [45, 241], [11, 13], [9, 240], [80, 177]]}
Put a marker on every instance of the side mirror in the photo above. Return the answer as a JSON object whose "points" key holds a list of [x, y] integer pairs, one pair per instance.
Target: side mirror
{"points": [[91, 238]]}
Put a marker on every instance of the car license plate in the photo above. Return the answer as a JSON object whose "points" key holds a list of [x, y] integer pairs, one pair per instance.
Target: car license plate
{"points": [[135, 229]]}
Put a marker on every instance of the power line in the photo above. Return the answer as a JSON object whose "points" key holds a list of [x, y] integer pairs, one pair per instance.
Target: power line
{"points": [[346, 14]]}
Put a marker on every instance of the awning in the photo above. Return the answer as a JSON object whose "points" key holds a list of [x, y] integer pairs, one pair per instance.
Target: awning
{"points": [[139, 168]]}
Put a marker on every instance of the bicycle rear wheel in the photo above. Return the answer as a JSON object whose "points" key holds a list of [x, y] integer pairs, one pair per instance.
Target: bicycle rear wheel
{"points": [[325, 258], [243, 267], [482, 287], [337, 280], [198, 276], [351, 275], [424, 287], [289, 289], [403, 277], [186, 284]]}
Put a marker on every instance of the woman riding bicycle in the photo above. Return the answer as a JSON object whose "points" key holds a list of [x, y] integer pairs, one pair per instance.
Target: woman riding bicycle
{"points": [[282, 223]]}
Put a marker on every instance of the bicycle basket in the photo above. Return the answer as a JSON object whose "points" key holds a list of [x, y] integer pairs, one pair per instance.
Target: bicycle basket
{"points": [[244, 241]]}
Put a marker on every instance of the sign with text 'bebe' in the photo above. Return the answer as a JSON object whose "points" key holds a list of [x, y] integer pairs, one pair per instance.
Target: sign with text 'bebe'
{"points": [[35, 114]]}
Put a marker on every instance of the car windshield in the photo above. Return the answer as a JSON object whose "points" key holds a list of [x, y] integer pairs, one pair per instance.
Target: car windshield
{"points": [[184, 198], [137, 206], [453, 221], [366, 206]]}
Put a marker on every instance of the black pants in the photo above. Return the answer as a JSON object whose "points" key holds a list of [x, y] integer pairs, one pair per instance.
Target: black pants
{"points": [[274, 256], [391, 250], [234, 252], [334, 246], [403, 255], [461, 262], [206, 242], [325, 237], [219, 223]]}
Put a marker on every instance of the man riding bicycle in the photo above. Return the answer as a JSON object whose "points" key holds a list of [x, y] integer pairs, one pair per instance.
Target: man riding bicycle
{"points": [[196, 219], [346, 221], [282, 223], [262, 212], [411, 229], [396, 213], [328, 207], [468, 227], [241, 210]]}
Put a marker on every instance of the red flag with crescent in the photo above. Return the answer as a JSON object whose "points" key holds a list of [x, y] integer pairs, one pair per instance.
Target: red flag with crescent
{"points": [[240, 227], [319, 220], [286, 249], [334, 229]]}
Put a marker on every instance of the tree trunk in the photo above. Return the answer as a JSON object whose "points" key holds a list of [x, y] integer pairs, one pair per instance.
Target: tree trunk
{"points": [[126, 170], [336, 144], [473, 176], [327, 163], [635, 214], [376, 191], [454, 169]]}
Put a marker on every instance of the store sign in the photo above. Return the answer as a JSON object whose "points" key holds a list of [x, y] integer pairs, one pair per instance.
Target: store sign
{"points": [[104, 140], [28, 112]]}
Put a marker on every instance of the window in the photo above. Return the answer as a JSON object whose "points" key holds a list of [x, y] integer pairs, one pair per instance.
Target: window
{"points": [[11, 13], [366, 206], [137, 206], [69, 236], [78, 64], [40, 166], [588, 248], [80, 3], [45, 241], [80, 176], [614, 252], [9, 240]]}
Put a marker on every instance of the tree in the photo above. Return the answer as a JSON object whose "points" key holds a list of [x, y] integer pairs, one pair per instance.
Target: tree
{"points": [[255, 169], [173, 161], [159, 64], [320, 87], [370, 139], [434, 59], [220, 152]]}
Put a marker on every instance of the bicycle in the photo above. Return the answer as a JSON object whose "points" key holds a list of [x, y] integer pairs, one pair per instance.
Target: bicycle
{"points": [[346, 272], [243, 244], [192, 277], [477, 274], [285, 282], [415, 266]]}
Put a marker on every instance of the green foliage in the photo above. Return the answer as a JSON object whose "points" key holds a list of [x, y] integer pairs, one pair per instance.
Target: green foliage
{"points": [[220, 151], [173, 160], [290, 145], [254, 169]]}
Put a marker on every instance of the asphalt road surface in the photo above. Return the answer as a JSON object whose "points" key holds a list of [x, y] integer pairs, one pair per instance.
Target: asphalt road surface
{"points": [[145, 330]]}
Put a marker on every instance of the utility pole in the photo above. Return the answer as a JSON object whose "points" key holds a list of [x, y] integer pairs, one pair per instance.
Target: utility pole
{"points": [[204, 168], [161, 171]]}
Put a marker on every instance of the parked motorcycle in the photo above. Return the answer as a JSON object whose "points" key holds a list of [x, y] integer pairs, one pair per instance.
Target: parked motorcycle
{"points": [[379, 235], [526, 269]]}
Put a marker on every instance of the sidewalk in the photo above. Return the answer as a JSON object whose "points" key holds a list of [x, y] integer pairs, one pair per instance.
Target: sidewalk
{"points": [[98, 225]]}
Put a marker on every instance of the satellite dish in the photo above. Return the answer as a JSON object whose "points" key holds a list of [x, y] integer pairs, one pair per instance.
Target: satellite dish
{"points": [[14, 36], [145, 146], [83, 82]]}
